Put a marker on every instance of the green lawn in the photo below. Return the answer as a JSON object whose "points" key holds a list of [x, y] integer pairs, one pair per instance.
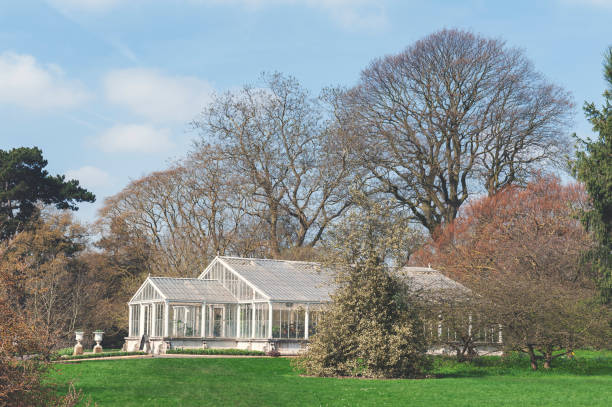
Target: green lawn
{"points": [[584, 381]]}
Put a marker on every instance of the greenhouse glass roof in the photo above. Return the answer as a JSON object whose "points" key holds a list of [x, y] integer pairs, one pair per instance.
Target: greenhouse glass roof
{"points": [[186, 289], [430, 280], [284, 280], [234, 279]]}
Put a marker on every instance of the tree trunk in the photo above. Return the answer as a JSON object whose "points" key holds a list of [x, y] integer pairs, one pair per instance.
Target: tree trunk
{"points": [[548, 358], [532, 357]]}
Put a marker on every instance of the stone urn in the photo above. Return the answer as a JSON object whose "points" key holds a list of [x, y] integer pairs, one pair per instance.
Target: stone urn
{"points": [[98, 335], [78, 348]]}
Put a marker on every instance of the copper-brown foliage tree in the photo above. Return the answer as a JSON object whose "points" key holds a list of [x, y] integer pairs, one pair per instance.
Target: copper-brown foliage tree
{"points": [[24, 354], [20, 381], [24, 364], [519, 251], [42, 276]]}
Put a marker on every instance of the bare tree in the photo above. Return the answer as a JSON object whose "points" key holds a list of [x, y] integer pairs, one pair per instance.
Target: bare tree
{"points": [[277, 142], [187, 213], [453, 115]]}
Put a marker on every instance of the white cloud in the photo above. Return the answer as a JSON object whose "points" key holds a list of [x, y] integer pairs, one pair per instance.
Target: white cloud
{"points": [[90, 177], [26, 83], [135, 138], [94, 6], [348, 13], [356, 13], [156, 96]]}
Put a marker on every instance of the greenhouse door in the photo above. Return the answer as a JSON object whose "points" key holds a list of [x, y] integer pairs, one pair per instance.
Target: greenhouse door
{"points": [[147, 320], [218, 322]]}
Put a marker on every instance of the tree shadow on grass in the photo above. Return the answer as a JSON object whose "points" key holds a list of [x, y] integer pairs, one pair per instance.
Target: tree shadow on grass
{"points": [[518, 365]]}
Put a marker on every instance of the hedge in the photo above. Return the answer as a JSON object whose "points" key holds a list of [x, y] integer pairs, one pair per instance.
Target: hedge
{"points": [[199, 351], [101, 355]]}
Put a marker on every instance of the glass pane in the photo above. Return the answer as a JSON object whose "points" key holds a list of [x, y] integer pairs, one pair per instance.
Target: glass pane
{"points": [[298, 317], [147, 320], [185, 321], [159, 319], [276, 322], [288, 322], [135, 320], [246, 317], [230, 321], [313, 320], [257, 296], [261, 320], [217, 322], [148, 293]]}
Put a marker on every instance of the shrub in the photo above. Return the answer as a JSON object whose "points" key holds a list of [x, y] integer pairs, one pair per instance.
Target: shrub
{"points": [[24, 364], [371, 328], [367, 331]]}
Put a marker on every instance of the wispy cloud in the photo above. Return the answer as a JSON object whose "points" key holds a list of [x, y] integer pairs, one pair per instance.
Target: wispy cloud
{"points": [[158, 97], [123, 49], [135, 138], [89, 6], [90, 177], [25, 82], [347, 13]]}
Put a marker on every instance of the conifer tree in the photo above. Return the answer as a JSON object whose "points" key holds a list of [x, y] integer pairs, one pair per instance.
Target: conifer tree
{"points": [[593, 166], [24, 184]]}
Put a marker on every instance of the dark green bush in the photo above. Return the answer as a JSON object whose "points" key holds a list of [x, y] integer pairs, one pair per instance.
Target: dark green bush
{"points": [[214, 352]]}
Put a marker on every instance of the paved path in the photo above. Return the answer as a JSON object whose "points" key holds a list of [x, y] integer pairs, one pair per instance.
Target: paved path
{"points": [[102, 358], [170, 356]]}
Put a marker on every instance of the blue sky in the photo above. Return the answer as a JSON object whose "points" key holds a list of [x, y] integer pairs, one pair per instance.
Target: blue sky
{"points": [[107, 87]]}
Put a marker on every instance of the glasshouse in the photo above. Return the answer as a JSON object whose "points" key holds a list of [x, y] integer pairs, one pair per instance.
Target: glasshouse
{"points": [[255, 304], [244, 303]]}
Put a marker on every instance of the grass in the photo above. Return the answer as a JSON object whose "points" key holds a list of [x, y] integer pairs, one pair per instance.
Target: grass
{"points": [[491, 381], [215, 352]]}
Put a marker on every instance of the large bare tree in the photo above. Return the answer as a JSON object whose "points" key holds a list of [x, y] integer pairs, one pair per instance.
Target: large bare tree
{"points": [[452, 115], [276, 140], [185, 214]]}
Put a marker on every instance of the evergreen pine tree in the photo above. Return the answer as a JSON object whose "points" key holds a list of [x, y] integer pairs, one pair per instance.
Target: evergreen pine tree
{"points": [[593, 166]]}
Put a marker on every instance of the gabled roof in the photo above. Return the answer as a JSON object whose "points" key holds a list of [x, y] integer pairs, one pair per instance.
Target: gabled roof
{"points": [[430, 280], [284, 280], [191, 289]]}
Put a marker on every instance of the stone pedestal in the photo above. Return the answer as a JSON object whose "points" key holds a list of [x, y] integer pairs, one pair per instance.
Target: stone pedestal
{"points": [[78, 349], [98, 335]]}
